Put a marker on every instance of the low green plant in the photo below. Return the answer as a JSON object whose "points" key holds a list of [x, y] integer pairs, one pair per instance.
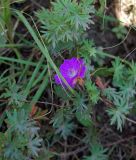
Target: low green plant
{"points": [[120, 31], [123, 98], [62, 122], [93, 92], [67, 30], [21, 140], [97, 152], [27, 85], [89, 51]]}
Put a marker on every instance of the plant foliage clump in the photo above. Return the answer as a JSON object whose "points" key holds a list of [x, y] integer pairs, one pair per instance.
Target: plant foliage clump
{"points": [[65, 23], [39, 118], [21, 140]]}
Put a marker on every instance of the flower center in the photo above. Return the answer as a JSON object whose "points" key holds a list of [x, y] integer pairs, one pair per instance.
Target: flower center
{"points": [[72, 73]]}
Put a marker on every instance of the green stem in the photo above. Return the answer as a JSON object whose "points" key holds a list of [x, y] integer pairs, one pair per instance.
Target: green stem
{"points": [[114, 57]]}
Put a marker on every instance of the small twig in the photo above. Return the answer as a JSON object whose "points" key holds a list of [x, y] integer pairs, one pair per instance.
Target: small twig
{"points": [[120, 141], [130, 120], [116, 45], [65, 150], [28, 101], [81, 149], [129, 54], [126, 48], [70, 146]]}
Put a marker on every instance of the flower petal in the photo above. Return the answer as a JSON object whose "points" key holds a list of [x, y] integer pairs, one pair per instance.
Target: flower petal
{"points": [[71, 69], [57, 79]]}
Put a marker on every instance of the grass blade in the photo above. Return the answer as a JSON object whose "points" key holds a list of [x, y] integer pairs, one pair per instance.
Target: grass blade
{"points": [[42, 47]]}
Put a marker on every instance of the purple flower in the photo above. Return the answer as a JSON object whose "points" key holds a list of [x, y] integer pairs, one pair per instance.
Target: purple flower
{"points": [[72, 70]]}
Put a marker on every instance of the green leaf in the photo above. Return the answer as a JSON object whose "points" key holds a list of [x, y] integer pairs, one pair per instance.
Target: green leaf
{"points": [[119, 71], [14, 94], [118, 113], [61, 93], [43, 48], [120, 31], [94, 93], [84, 118], [22, 138], [17, 61], [97, 152], [73, 20], [62, 122]]}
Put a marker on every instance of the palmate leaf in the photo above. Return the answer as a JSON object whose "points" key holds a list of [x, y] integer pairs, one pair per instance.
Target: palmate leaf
{"points": [[61, 93], [118, 113], [22, 136], [62, 122], [84, 118], [97, 153], [65, 129], [34, 146], [72, 22], [19, 122], [111, 93], [119, 68], [14, 94], [77, 13], [14, 147], [91, 135], [79, 103], [89, 51], [120, 31], [12, 153], [94, 93], [82, 111], [128, 92]]}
